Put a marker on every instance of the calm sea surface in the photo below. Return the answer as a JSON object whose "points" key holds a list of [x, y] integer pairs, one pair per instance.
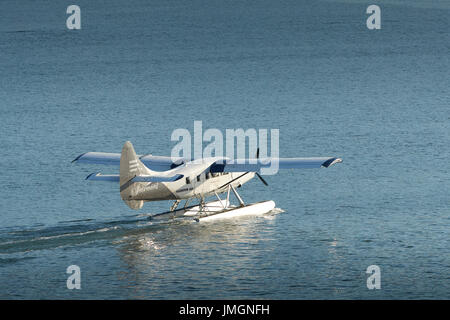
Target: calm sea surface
{"points": [[137, 70]]}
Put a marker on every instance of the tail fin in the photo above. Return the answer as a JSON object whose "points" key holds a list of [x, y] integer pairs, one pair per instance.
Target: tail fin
{"points": [[130, 167]]}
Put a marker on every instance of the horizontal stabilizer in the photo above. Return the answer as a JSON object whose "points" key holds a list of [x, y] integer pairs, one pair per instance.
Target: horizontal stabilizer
{"points": [[154, 178], [103, 177]]}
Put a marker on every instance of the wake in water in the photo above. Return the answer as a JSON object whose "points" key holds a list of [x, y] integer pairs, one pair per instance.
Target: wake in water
{"points": [[276, 211], [76, 232], [72, 233]]}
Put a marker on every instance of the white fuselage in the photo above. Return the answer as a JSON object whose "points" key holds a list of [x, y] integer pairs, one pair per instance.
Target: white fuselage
{"points": [[200, 186]]}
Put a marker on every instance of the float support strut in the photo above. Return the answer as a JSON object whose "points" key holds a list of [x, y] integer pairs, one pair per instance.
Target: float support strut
{"points": [[237, 196]]}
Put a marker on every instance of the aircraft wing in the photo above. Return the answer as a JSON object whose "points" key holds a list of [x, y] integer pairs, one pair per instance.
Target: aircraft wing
{"points": [[156, 163], [161, 163], [116, 178], [255, 165]]}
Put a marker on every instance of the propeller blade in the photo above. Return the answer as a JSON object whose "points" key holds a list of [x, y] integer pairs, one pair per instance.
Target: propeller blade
{"points": [[261, 178]]}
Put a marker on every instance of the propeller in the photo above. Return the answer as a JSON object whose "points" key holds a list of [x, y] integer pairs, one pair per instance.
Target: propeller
{"points": [[261, 178], [257, 174]]}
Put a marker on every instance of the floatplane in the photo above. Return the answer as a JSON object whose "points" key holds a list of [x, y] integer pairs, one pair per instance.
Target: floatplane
{"points": [[144, 178]]}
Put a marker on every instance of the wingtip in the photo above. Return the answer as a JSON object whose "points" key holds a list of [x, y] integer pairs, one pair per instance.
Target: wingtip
{"points": [[331, 161], [77, 158]]}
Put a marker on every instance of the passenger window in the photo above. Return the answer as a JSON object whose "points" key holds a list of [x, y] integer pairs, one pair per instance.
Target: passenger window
{"points": [[198, 178], [188, 181]]}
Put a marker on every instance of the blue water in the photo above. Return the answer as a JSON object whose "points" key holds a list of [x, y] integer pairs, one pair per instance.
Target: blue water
{"points": [[137, 71]]}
